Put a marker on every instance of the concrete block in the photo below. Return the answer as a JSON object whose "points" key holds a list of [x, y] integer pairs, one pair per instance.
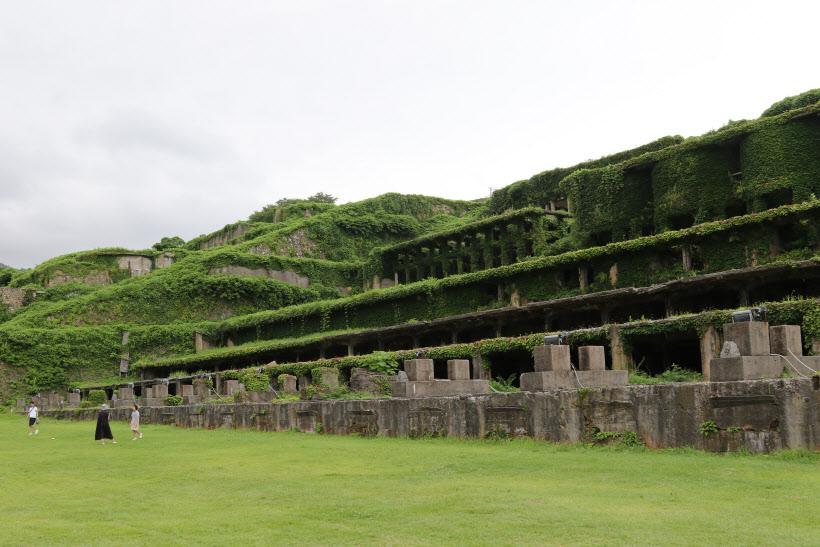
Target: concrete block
{"points": [[441, 388], [566, 379], [458, 369], [126, 393], [731, 369], [160, 391], [230, 387], [549, 358], [54, 400], [785, 340], [74, 399], [591, 358], [419, 370], [187, 390], [330, 377], [751, 337], [288, 383], [21, 402]]}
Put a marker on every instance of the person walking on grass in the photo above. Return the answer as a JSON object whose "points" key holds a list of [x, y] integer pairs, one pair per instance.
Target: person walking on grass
{"points": [[135, 422], [103, 428], [33, 418]]}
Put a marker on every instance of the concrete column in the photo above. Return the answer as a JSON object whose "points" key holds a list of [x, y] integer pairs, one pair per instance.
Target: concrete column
{"points": [[686, 256], [351, 349], [419, 370], [604, 315], [454, 336], [396, 277], [478, 369], [743, 296], [620, 359], [668, 308], [786, 340], [380, 344], [591, 358], [710, 345], [415, 341], [322, 352], [583, 277], [458, 369]]}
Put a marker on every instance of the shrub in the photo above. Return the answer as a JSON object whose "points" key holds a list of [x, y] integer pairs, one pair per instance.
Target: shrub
{"points": [[173, 400], [96, 397]]}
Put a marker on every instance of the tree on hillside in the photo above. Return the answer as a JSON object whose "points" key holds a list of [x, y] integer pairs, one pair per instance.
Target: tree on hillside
{"points": [[268, 212], [167, 243]]}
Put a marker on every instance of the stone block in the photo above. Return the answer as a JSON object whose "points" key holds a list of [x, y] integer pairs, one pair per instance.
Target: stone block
{"points": [[441, 388], [54, 400], [591, 358], [230, 387], [160, 391], [751, 337], [330, 377], [566, 379], [785, 340], [21, 402], [187, 390], [419, 370], [458, 369], [549, 358], [731, 369], [126, 393], [74, 399], [288, 383]]}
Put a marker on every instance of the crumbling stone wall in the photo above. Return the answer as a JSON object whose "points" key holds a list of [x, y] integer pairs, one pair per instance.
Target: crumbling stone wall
{"points": [[12, 298], [226, 237], [284, 276], [136, 264], [759, 415], [94, 277]]}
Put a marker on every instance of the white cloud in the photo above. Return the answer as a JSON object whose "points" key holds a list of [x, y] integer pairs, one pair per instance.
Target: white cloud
{"points": [[124, 123]]}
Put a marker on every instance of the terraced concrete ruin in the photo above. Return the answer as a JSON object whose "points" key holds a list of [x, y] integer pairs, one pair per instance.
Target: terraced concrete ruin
{"points": [[635, 263]]}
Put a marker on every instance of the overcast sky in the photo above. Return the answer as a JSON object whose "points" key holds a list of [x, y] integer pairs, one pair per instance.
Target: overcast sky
{"points": [[123, 122]]}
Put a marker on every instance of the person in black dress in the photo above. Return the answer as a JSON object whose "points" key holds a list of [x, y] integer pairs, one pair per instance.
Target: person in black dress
{"points": [[103, 429]]}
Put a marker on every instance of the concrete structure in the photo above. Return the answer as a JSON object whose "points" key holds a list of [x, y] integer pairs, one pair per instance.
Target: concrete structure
{"points": [[288, 384], [751, 337], [554, 371], [763, 415], [749, 353], [421, 382]]}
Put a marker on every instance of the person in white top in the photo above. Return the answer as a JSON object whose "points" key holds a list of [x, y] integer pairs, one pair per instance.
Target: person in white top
{"points": [[33, 415]]}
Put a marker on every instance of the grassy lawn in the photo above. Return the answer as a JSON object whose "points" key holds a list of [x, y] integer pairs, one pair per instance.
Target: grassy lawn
{"points": [[187, 486]]}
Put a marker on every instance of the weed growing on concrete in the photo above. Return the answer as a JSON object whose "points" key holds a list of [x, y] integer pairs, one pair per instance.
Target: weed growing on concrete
{"points": [[708, 427]]}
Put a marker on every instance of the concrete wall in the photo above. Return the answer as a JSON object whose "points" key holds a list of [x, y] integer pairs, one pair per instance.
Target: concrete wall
{"points": [[769, 415], [284, 276], [11, 298]]}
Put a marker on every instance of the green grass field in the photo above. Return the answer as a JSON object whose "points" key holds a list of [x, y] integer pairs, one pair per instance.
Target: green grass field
{"points": [[186, 486]]}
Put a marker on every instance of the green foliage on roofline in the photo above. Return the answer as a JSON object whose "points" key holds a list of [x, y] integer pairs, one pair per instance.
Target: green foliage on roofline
{"points": [[748, 167], [793, 103], [544, 187]]}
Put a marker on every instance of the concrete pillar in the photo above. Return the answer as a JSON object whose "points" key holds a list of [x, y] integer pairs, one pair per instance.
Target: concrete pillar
{"points": [[786, 340], [686, 256], [454, 336], [743, 298], [231, 387], [668, 308], [396, 278], [126, 393], [458, 369], [710, 346], [160, 391], [620, 359], [591, 358], [73, 399], [187, 390], [604, 315], [351, 349], [550, 358], [751, 337], [330, 376], [322, 352], [415, 341], [419, 370], [200, 344], [288, 383], [479, 373], [583, 277]]}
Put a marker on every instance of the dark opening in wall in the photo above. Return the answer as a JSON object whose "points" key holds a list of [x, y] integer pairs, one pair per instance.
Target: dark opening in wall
{"points": [[778, 198], [522, 326], [440, 369], [528, 247], [653, 354], [562, 204], [511, 363], [466, 263], [572, 320], [496, 250], [489, 293], [476, 333], [398, 343], [599, 239], [336, 350], [172, 388], [679, 222], [638, 310], [366, 347], [736, 208], [786, 289]]}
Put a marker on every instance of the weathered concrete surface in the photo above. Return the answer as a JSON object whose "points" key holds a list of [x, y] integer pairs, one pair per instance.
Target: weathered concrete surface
{"points": [[94, 277], [164, 260], [752, 337], [12, 298], [291, 278], [732, 369], [569, 379], [136, 264], [768, 415], [786, 340], [440, 388], [549, 358]]}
